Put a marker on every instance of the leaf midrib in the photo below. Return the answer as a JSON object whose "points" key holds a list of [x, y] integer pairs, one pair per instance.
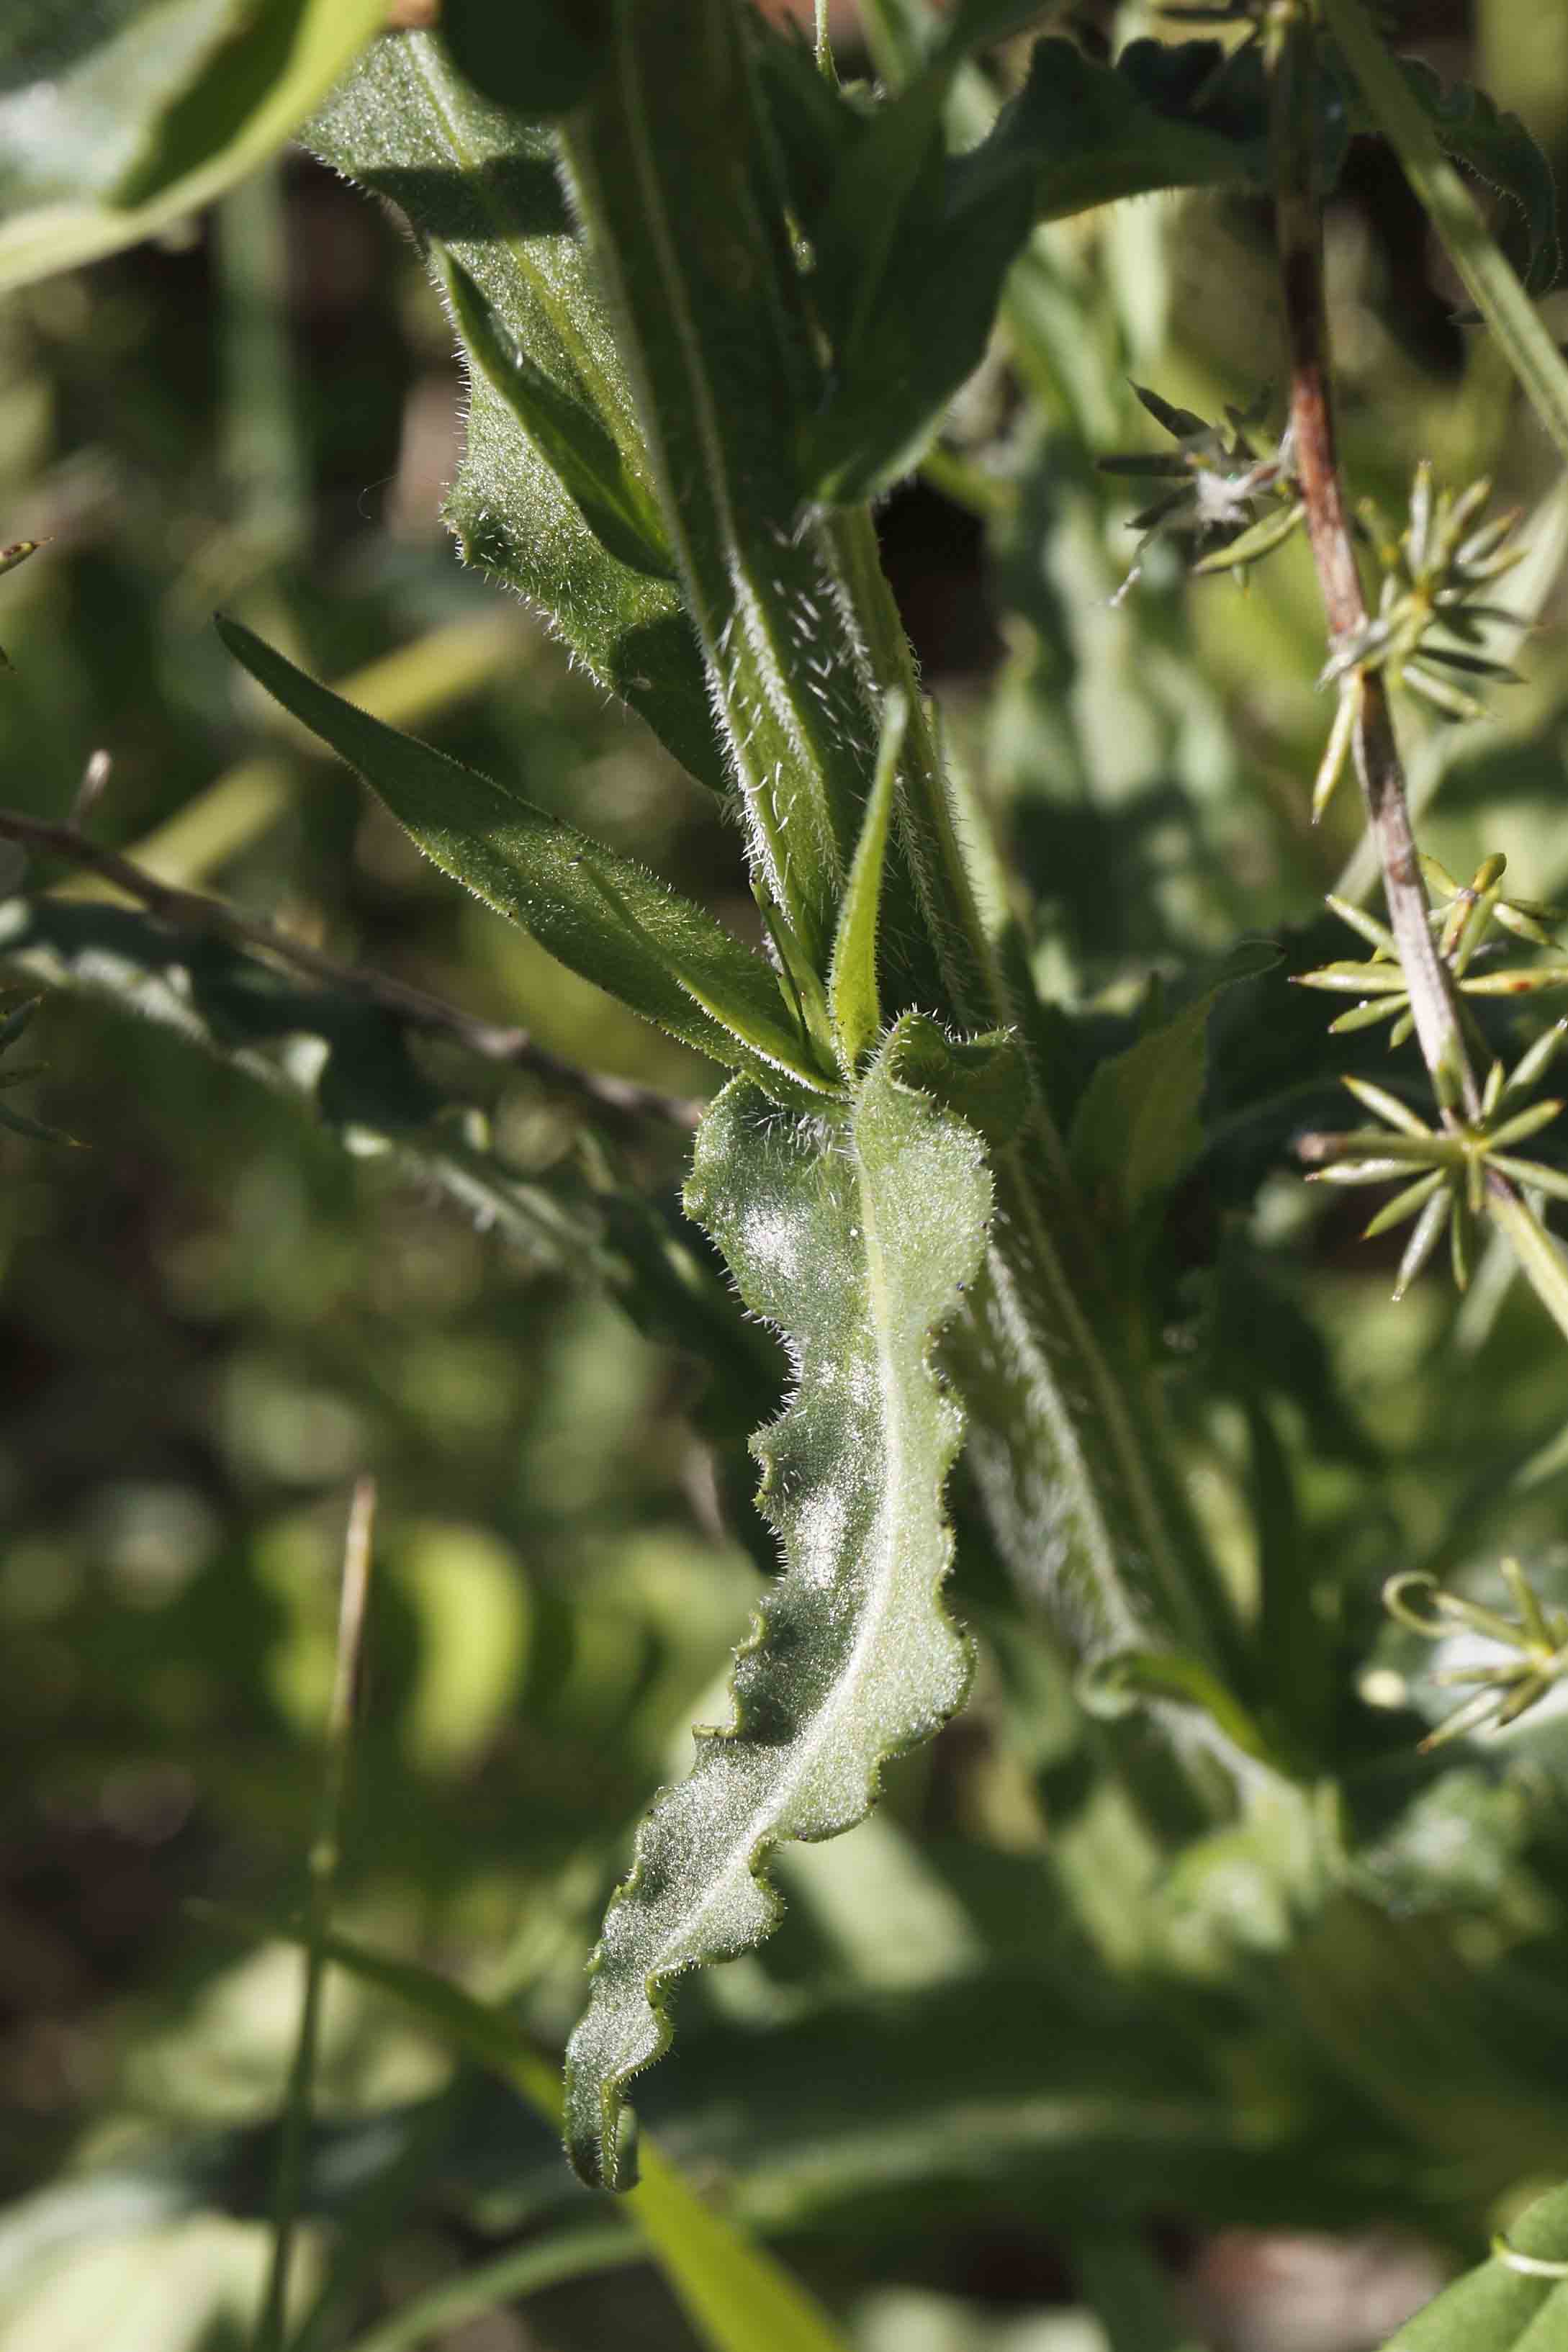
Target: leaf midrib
{"points": [[604, 392], [761, 1832]]}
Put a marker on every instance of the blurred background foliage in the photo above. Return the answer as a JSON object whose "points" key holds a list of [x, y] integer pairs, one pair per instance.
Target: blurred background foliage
{"points": [[1000, 2047]]}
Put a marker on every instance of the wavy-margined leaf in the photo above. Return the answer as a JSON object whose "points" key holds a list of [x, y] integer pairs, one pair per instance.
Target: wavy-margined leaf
{"points": [[604, 916], [480, 184], [117, 119], [854, 1236], [1505, 2304], [1472, 129]]}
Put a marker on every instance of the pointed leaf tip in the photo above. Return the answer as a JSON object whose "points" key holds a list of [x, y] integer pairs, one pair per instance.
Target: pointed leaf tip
{"points": [[852, 991], [855, 1236], [602, 915]]}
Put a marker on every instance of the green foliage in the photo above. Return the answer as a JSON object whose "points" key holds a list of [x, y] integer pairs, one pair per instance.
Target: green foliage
{"points": [[1517, 2298], [542, 58], [117, 120], [1137, 1128], [480, 185], [855, 1241], [600, 914], [1210, 1909]]}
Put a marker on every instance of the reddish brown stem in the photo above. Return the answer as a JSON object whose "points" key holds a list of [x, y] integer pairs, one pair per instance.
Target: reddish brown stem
{"points": [[1298, 219]]}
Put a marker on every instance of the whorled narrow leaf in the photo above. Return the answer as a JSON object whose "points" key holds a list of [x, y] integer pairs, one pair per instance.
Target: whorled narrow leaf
{"points": [[479, 186], [855, 1236], [604, 916]]}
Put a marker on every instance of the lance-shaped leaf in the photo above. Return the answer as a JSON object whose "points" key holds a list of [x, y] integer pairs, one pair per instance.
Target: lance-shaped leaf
{"points": [[853, 996], [601, 914], [854, 1236], [617, 506], [480, 187]]}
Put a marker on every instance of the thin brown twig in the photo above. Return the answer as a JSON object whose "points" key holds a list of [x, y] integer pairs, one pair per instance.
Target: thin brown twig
{"points": [[192, 910], [1298, 219]]}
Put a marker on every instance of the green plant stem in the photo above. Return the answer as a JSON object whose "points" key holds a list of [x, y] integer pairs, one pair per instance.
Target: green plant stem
{"points": [[324, 1851], [824, 41], [1036, 1352], [1490, 280], [670, 171]]}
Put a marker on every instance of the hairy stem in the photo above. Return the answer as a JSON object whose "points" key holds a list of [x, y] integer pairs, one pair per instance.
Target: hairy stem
{"points": [[1116, 1546]]}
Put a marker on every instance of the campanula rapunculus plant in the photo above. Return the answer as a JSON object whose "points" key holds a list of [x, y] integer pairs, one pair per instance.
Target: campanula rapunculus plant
{"points": [[970, 1240]]}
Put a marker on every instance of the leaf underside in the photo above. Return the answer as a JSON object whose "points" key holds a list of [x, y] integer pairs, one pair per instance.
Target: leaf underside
{"points": [[480, 184], [853, 1236]]}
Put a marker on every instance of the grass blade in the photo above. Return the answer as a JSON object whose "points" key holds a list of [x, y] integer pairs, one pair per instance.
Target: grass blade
{"points": [[355, 1591]]}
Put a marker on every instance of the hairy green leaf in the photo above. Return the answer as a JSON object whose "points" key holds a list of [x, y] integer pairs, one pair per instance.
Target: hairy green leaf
{"points": [[480, 187], [852, 990], [912, 248], [602, 915], [1501, 154], [116, 119], [673, 169], [855, 1236], [615, 504]]}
